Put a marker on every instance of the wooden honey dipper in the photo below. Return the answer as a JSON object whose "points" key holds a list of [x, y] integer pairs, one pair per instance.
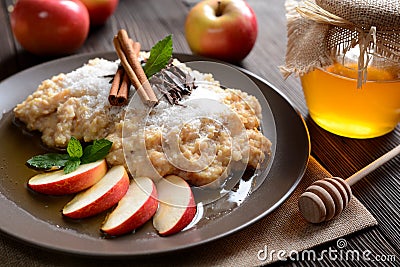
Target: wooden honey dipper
{"points": [[327, 198]]}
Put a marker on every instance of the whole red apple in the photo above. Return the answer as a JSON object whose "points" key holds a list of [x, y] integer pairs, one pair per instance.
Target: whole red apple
{"points": [[100, 10], [222, 29], [50, 27]]}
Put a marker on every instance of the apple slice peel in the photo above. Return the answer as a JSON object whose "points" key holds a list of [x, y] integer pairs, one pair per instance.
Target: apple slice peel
{"points": [[101, 196], [136, 208], [177, 206], [59, 183]]}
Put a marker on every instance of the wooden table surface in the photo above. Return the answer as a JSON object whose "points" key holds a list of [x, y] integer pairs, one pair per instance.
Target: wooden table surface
{"points": [[151, 20]]}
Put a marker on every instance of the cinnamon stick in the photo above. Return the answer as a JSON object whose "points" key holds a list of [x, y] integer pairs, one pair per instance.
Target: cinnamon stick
{"points": [[119, 88], [136, 47], [131, 56], [129, 71], [123, 92], [112, 98]]}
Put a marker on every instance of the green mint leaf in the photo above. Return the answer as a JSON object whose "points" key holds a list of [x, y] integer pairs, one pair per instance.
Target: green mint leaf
{"points": [[97, 151], [160, 55], [74, 148], [71, 165], [49, 160], [76, 155], [86, 154]]}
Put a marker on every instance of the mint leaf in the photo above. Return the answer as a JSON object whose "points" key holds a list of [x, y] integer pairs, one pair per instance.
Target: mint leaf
{"points": [[76, 155], [71, 165], [160, 55], [74, 148], [47, 161], [86, 154], [97, 151]]}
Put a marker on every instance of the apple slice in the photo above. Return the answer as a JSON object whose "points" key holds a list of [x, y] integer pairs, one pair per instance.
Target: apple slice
{"points": [[101, 196], [177, 207], [137, 207], [59, 183]]}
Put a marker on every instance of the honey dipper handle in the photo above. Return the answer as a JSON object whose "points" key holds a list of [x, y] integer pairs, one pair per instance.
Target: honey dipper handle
{"points": [[372, 166]]}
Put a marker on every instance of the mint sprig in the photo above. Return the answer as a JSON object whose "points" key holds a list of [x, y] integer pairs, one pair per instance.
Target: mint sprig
{"points": [[71, 165], [98, 150], [160, 54], [74, 148], [48, 161], [75, 157]]}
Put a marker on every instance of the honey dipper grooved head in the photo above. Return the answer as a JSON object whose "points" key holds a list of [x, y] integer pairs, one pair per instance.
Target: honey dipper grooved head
{"points": [[324, 199]]}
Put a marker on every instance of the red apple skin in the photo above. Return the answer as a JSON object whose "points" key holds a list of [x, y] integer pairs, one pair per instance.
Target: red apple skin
{"points": [[103, 203], [167, 209], [100, 10], [73, 184], [143, 214], [186, 218], [229, 37], [50, 27]]}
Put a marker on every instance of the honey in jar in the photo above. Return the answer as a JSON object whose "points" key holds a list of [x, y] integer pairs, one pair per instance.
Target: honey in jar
{"points": [[347, 54], [337, 105]]}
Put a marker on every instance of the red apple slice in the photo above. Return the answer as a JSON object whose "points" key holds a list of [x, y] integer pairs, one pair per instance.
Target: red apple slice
{"points": [[59, 183], [101, 196], [177, 207], [137, 207]]}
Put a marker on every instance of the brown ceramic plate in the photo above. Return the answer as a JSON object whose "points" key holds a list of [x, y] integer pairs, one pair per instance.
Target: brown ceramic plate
{"points": [[36, 219]]}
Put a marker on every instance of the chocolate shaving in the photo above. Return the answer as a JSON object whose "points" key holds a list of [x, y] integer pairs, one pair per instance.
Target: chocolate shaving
{"points": [[109, 76], [175, 84]]}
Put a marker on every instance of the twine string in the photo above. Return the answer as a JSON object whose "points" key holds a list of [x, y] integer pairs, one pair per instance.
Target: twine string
{"points": [[372, 41], [366, 40]]}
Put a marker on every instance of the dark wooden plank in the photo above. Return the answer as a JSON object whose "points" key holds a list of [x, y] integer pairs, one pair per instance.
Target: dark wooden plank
{"points": [[165, 21], [8, 63]]}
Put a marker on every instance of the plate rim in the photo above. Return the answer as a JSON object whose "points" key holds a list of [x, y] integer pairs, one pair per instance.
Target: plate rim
{"points": [[108, 54]]}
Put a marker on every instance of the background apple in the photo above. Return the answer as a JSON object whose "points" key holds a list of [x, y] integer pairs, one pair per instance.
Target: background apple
{"points": [[50, 27], [100, 10], [222, 29]]}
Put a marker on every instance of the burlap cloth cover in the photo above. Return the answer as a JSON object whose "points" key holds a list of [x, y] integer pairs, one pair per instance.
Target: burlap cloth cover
{"points": [[320, 30], [284, 229]]}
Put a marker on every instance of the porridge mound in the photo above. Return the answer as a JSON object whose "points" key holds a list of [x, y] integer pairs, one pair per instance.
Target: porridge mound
{"points": [[197, 139]]}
